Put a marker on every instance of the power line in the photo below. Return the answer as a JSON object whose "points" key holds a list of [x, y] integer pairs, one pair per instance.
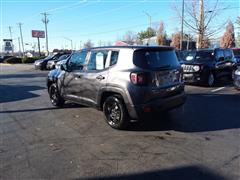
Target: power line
{"points": [[45, 20]]}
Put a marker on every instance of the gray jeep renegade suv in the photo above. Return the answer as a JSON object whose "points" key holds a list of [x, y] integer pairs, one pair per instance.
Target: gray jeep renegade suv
{"points": [[125, 82]]}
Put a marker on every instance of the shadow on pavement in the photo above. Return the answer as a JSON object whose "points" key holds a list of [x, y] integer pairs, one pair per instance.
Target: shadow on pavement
{"points": [[202, 112], [25, 75], [224, 81], [182, 173], [10, 93], [68, 105]]}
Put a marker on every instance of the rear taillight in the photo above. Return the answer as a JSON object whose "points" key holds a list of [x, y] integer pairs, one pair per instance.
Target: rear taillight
{"points": [[139, 78]]}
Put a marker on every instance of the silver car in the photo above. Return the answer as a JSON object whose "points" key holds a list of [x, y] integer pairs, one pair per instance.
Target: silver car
{"points": [[124, 82]]}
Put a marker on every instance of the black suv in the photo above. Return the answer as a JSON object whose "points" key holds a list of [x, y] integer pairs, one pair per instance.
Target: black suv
{"points": [[123, 82], [206, 65]]}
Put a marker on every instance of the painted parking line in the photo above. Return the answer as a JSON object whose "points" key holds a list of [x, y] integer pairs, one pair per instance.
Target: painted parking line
{"points": [[218, 89]]}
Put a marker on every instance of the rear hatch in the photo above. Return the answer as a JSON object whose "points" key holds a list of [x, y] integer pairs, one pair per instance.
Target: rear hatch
{"points": [[161, 65]]}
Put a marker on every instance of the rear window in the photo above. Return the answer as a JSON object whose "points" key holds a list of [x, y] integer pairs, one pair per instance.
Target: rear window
{"points": [[155, 59]]}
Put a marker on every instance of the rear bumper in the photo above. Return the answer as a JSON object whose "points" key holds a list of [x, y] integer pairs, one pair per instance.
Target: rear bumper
{"points": [[158, 105]]}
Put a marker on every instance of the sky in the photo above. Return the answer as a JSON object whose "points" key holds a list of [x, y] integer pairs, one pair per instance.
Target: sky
{"points": [[101, 21]]}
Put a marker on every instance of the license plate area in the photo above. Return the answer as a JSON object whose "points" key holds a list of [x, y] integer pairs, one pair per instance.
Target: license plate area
{"points": [[167, 78]]}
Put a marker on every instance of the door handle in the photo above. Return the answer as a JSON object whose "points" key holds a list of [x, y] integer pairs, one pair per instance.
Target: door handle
{"points": [[100, 77]]}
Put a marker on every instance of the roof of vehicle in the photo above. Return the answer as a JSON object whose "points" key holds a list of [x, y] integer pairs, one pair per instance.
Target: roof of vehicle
{"points": [[208, 49], [135, 47]]}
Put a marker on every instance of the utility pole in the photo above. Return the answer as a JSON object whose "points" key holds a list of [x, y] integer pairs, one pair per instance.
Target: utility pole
{"points": [[20, 28], [181, 41], [10, 31], [19, 45], [201, 25], [45, 20]]}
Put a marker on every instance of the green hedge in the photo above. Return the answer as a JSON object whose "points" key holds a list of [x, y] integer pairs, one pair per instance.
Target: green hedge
{"points": [[16, 60], [31, 59], [13, 60]]}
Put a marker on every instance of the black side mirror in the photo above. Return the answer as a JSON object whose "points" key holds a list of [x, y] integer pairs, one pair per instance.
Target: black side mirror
{"points": [[63, 67]]}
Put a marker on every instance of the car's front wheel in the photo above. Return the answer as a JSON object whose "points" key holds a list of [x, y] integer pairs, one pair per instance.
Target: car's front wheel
{"points": [[115, 113], [55, 97]]}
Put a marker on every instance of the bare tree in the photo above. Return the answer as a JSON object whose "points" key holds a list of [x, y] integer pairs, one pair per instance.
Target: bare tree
{"points": [[238, 33], [161, 34], [206, 42], [130, 37], [176, 40], [88, 44], [200, 17], [228, 39]]}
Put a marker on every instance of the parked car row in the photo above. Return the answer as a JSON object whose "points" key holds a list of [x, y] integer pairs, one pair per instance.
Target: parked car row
{"points": [[50, 61]]}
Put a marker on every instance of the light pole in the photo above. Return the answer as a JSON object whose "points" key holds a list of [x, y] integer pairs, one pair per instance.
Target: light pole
{"points": [[70, 41], [150, 23], [149, 17], [181, 41]]}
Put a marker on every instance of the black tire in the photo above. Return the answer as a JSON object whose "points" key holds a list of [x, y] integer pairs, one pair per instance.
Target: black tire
{"points": [[55, 97], [210, 79], [115, 113]]}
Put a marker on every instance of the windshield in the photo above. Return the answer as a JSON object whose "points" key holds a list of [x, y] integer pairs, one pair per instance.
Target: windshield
{"points": [[199, 56], [49, 56], [154, 59]]}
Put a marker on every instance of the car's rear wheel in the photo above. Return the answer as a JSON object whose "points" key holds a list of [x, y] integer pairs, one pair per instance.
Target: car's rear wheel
{"points": [[55, 97], [115, 113], [210, 79]]}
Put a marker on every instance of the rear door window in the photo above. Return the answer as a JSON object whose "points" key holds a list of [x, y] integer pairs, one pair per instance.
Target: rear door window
{"points": [[97, 60], [114, 58], [155, 59]]}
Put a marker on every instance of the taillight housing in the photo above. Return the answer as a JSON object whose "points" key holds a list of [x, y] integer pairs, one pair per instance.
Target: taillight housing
{"points": [[139, 78]]}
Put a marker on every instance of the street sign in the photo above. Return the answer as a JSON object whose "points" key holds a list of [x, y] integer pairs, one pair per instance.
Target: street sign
{"points": [[38, 34], [8, 45], [7, 40]]}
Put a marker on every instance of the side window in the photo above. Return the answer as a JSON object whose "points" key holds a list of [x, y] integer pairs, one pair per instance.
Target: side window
{"points": [[219, 55], [97, 60], [228, 54], [77, 60], [114, 57]]}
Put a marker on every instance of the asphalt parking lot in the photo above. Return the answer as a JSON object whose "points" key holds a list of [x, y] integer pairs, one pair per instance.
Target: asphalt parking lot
{"points": [[198, 141]]}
